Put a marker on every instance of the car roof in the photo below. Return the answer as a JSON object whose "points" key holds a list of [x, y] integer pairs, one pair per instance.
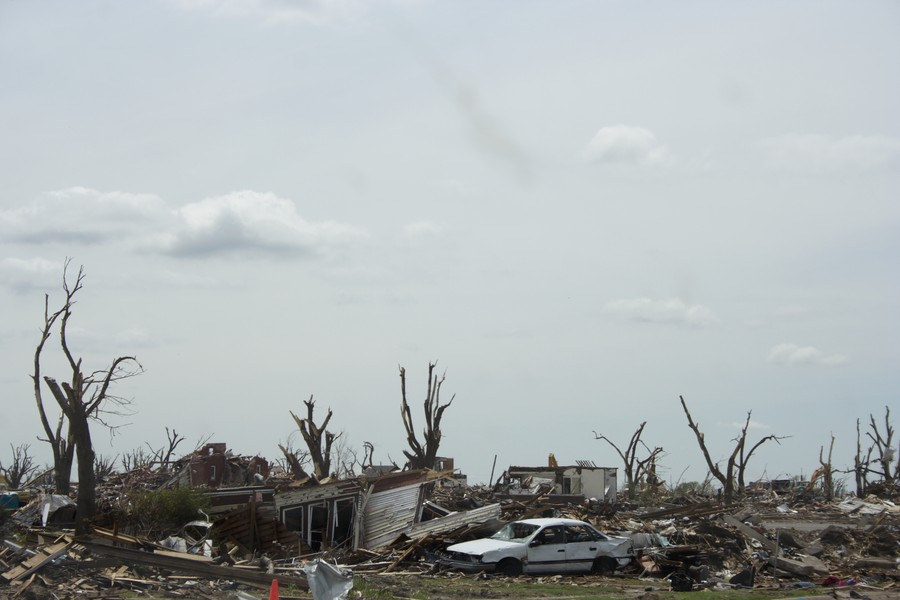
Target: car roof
{"points": [[551, 521]]}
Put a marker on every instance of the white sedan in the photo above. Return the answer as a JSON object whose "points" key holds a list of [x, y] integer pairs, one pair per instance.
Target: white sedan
{"points": [[538, 546]]}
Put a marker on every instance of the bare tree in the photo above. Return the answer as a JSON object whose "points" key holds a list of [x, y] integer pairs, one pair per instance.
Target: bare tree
{"points": [[882, 444], [861, 465], [635, 469], [173, 440], [368, 456], [344, 457], [825, 471], [294, 460], [81, 399], [732, 478], [422, 454], [104, 467], [137, 459], [21, 467], [314, 436], [61, 442], [878, 456]]}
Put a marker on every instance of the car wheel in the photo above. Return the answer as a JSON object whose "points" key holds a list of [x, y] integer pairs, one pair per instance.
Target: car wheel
{"points": [[604, 565], [510, 567]]}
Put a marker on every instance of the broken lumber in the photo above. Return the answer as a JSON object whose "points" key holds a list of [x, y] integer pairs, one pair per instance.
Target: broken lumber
{"points": [[195, 565], [30, 565]]}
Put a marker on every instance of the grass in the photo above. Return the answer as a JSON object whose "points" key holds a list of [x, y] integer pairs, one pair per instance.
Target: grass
{"points": [[415, 587]]}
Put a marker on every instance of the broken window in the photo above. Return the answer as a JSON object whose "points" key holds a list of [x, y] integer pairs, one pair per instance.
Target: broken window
{"points": [[293, 518], [342, 523]]}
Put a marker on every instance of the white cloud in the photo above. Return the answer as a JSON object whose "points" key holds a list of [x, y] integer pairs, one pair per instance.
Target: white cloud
{"points": [[795, 355], [751, 425], [673, 310], [245, 222], [80, 215], [249, 222], [276, 11], [421, 229], [813, 153], [624, 144], [24, 274], [30, 265]]}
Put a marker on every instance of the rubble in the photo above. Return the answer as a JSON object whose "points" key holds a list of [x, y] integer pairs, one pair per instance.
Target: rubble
{"points": [[395, 523]]}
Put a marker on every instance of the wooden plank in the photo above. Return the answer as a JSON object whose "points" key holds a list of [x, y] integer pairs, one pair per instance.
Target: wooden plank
{"points": [[768, 544], [29, 566], [181, 562]]}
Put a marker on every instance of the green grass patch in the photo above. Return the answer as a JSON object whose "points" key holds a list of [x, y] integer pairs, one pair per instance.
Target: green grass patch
{"points": [[428, 587]]}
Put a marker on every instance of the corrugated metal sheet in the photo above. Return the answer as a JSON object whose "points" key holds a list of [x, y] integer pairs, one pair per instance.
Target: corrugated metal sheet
{"points": [[475, 516], [390, 513]]}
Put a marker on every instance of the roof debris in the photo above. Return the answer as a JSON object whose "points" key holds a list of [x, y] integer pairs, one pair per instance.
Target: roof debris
{"points": [[397, 523]]}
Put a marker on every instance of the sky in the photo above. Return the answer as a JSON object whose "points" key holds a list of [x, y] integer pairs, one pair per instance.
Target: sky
{"points": [[581, 210]]}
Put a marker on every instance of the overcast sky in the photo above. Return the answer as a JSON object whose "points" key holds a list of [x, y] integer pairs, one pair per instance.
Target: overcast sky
{"points": [[580, 209]]}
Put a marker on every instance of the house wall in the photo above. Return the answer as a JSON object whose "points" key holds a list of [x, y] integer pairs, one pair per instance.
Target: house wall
{"points": [[600, 483], [207, 470], [590, 482]]}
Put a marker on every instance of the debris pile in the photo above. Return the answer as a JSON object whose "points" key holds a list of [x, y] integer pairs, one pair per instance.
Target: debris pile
{"points": [[396, 523]]}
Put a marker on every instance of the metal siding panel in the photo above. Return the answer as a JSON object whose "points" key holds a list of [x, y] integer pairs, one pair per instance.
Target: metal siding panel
{"points": [[450, 522], [389, 514]]}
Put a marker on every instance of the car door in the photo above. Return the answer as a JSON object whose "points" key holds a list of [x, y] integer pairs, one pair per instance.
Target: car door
{"points": [[547, 551], [582, 546]]}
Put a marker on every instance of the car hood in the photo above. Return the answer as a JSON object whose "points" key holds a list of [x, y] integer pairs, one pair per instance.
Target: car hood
{"points": [[621, 543], [484, 545]]}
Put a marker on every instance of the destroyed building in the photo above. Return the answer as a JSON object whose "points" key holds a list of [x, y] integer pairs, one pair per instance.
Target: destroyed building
{"points": [[369, 512], [567, 483], [214, 465]]}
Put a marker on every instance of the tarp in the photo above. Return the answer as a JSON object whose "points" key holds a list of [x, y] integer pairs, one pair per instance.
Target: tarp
{"points": [[50, 503], [327, 582]]}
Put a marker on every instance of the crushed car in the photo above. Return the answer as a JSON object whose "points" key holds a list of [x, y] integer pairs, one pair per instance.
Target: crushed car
{"points": [[540, 546]]}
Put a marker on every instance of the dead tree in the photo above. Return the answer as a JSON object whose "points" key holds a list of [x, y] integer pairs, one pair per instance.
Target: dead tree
{"points": [[314, 435], [368, 456], [422, 454], [293, 461], [137, 459], [732, 479], [81, 399], [62, 444], [882, 444], [635, 469], [861, 465], [826, 471], [173, 440], [104, 467], [21, 467]]}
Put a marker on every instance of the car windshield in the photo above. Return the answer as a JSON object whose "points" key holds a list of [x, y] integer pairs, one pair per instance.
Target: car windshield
{"points": [[515, 532]]}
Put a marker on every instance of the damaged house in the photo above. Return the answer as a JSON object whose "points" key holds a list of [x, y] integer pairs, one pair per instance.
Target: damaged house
{"points": [[370, 513], [565, 484], [214, 465]]}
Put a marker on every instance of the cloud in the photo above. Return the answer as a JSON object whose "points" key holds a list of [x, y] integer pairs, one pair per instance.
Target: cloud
{"points": [[248, 222], [420, 229], [626, 145], [673, 310], [813, 153], [276, 11], [751, 425], [79, 215], [26, 274], [794, 355], [243, 222]]}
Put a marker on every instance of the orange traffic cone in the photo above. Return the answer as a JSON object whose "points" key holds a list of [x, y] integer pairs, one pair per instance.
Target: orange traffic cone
{"points": [[273, 592]]}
